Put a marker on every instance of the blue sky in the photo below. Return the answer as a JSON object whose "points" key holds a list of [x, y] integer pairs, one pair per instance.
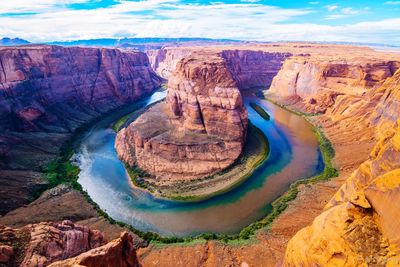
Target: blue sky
{"points": [[262, 20]]}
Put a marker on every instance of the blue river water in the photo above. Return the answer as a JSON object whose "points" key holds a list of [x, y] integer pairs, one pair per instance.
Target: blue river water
{"points": [[294, 154]]}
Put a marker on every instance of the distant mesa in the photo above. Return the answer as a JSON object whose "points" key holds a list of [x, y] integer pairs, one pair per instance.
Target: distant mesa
{"points": [[12, 41]]}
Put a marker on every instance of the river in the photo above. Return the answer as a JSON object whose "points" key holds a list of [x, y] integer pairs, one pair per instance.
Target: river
{"points": [[294, 154]]}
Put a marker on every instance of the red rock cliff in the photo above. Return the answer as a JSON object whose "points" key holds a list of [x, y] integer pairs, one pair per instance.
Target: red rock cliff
{"points": [[56, 89], [198, 131], [46, 93], [253, 69]]}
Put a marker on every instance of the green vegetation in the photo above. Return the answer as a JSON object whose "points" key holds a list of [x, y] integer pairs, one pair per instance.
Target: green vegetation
{"points": [[118, 124], [260, 111], [62, 171], [255, 152], [138, 177], [261, 95]]}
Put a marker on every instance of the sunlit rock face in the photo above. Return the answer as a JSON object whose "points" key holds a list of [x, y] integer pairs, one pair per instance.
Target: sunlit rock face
{"points": [[315, 82], [199, 130], [360, 224]]}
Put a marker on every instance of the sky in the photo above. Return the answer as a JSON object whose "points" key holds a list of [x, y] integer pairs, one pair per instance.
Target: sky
{"points": [[367, 21]]}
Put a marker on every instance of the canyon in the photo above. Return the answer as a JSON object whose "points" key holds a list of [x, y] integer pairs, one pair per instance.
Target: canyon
{"points": [[47, 94], [198, 131], [353, 97]]}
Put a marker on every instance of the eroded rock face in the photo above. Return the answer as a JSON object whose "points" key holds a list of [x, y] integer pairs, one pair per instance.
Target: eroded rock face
{"points": [[43, 243], [47, 93], [164, 60], [55, 89], [315, 82], [64, 244], [253, 69], [366, 198], [51, 242], [117, 253], [198, 131]]}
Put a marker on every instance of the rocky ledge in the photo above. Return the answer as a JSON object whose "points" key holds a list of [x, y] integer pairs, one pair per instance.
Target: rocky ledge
{"points": [[199, 130], [64, 244]]}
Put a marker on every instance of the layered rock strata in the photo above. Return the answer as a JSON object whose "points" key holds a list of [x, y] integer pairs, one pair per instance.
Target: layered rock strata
{"points": [[253, 69], [164, 60], [314, 83], [47, 93], [64, 244], [117, 253], [360, 225], [198, 131]]}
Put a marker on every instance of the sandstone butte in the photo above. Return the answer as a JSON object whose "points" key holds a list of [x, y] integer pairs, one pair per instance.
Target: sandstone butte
{"points": [[198, 131], [356, 93]]}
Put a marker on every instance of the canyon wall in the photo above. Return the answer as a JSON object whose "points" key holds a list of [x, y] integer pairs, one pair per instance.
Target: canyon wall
{"points": [[249, 68], [47, 93], [314, 82], [253, 69], [360, 224], [198, 131], [164, 60], [56, 89]]}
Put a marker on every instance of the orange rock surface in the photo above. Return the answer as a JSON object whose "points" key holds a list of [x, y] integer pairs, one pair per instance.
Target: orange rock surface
{"points": [[360, 225]]}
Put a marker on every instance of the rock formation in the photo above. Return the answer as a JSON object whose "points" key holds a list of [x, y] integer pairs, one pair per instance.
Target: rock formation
{"points": [[198, 131], [164, 60], [360, 225], [47, 93], [117, 253], [56, 89], [314, 82], [253, 69], [64, 244]]}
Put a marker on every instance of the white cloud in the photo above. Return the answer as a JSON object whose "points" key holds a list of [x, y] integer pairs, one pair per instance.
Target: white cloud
{"points": [[392, 3], [21, 6], [250, 1], [313, 3], [331, 8], [170, 18], [346, 12]]}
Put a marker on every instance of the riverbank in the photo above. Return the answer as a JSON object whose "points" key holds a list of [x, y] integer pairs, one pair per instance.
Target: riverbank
{"points": [[246, 234], [255, 152], [268, 245]]}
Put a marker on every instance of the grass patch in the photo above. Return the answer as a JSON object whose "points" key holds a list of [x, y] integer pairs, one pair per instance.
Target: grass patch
{"points": [[254, 153], [260, 111], [118, 124], [63, 171]]}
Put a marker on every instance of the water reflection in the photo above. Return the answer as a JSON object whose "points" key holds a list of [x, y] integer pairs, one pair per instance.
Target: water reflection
{"points": [[294, 155]]}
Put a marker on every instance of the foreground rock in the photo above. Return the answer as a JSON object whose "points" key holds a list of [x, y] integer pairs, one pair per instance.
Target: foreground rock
{"points": [[198, 131], [47, 93], [117, 253], [64, 244], [44, 243]]}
